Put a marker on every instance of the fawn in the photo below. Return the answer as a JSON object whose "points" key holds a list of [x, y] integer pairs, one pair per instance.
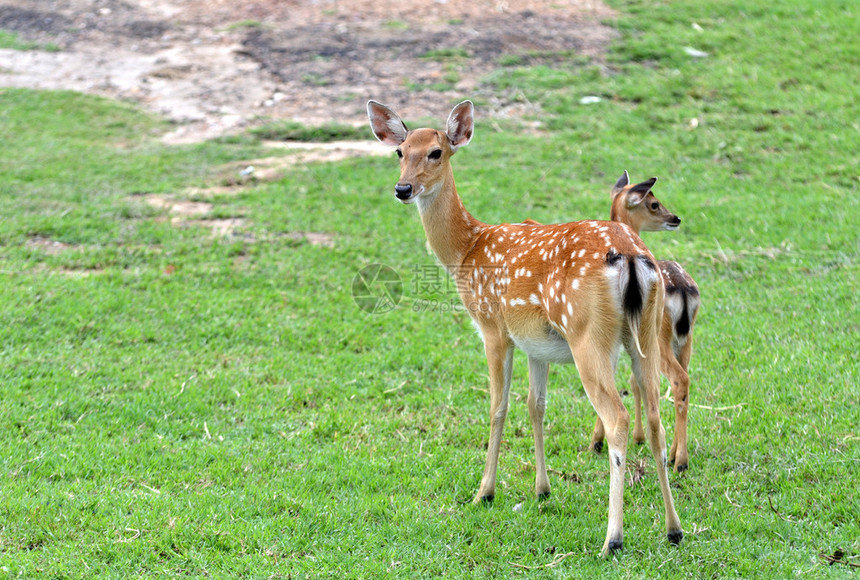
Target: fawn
{"points": [[564, 293], [636, 206]]}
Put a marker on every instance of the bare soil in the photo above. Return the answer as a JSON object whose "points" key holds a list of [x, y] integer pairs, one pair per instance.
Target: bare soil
{"points": [[217, 66]]}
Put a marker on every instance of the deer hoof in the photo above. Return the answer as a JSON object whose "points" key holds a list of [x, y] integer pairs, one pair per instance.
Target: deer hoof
{"points": [[675, 537]]}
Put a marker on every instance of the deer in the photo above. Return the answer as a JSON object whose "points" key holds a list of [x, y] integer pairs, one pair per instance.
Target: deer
{"points": [[564, 293], [636, 206]]}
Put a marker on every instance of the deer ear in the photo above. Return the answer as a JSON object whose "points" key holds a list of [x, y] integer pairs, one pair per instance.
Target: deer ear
{"points": [[639, 192], [644, 187], [461, 124], [386, 125], [622, 182]]}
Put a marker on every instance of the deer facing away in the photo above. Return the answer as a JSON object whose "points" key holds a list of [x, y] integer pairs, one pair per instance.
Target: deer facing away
{"points": [[564, 293], [636, 206]]}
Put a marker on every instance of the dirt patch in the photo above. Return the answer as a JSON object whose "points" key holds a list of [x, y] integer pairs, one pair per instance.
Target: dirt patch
{"points": [[183, 213], [47, 245], [273, 168], [216, 66], [313, 238], [179, 208], [220, 228]]}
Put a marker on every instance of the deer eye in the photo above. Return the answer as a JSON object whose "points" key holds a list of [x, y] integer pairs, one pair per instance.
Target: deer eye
{"points": [[435, 154], [400, 154], [655, 206]]}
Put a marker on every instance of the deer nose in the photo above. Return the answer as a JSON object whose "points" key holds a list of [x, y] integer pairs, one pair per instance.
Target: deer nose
{"points": [[402, 191]]}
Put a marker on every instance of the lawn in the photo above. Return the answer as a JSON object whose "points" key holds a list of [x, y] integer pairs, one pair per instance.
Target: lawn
{"points": [[176, 402]]}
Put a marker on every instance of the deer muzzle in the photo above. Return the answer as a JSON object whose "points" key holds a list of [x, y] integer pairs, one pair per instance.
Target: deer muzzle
{"points": [[403, 191]]}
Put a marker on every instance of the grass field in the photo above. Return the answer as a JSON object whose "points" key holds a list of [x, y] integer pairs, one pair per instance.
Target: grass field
{"points": [[175, 403]]}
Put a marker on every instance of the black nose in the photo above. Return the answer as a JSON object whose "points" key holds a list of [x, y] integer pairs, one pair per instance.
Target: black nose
{"points": [[402, 191]]}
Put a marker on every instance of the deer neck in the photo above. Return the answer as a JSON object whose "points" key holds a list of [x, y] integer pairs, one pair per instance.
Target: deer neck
{"points": [[451, 230], [624, 218]]}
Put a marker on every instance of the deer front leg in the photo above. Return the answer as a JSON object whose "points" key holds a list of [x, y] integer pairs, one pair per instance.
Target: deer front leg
{"points": [[499, 358], [538, 375]]}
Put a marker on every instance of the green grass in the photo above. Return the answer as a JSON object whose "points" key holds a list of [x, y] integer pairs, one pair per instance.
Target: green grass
{"points": [[456, 54], [293, 131], [10, 40], [175, 403], [245, 24]]}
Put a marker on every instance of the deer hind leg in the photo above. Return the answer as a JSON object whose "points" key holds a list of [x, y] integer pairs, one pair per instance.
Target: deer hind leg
{"points": [[599, 432], [499, 358], [648, 376], [679, 380], [638, 429], [538, 375], [596, 371], [597, 436]]}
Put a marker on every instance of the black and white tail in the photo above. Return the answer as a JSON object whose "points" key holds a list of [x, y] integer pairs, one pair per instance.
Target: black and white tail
{"points": [[636, 280]]}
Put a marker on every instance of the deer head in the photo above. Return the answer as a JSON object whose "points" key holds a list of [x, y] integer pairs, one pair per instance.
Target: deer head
{"points": [[636, 206]]}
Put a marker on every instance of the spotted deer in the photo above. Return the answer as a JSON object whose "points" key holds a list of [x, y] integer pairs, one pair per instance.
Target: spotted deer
{"points": [[564, 293], [636, 206]]}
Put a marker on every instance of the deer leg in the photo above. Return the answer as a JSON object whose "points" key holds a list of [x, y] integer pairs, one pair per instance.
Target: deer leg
{"points": [[597, 436], [599, 432], [499, 358], [595, 370], [648, 377], [638, 429], [538, 375], [680, 382]]}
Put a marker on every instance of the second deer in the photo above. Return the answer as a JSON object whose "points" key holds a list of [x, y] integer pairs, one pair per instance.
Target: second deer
{"points": [[636, 206]]}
